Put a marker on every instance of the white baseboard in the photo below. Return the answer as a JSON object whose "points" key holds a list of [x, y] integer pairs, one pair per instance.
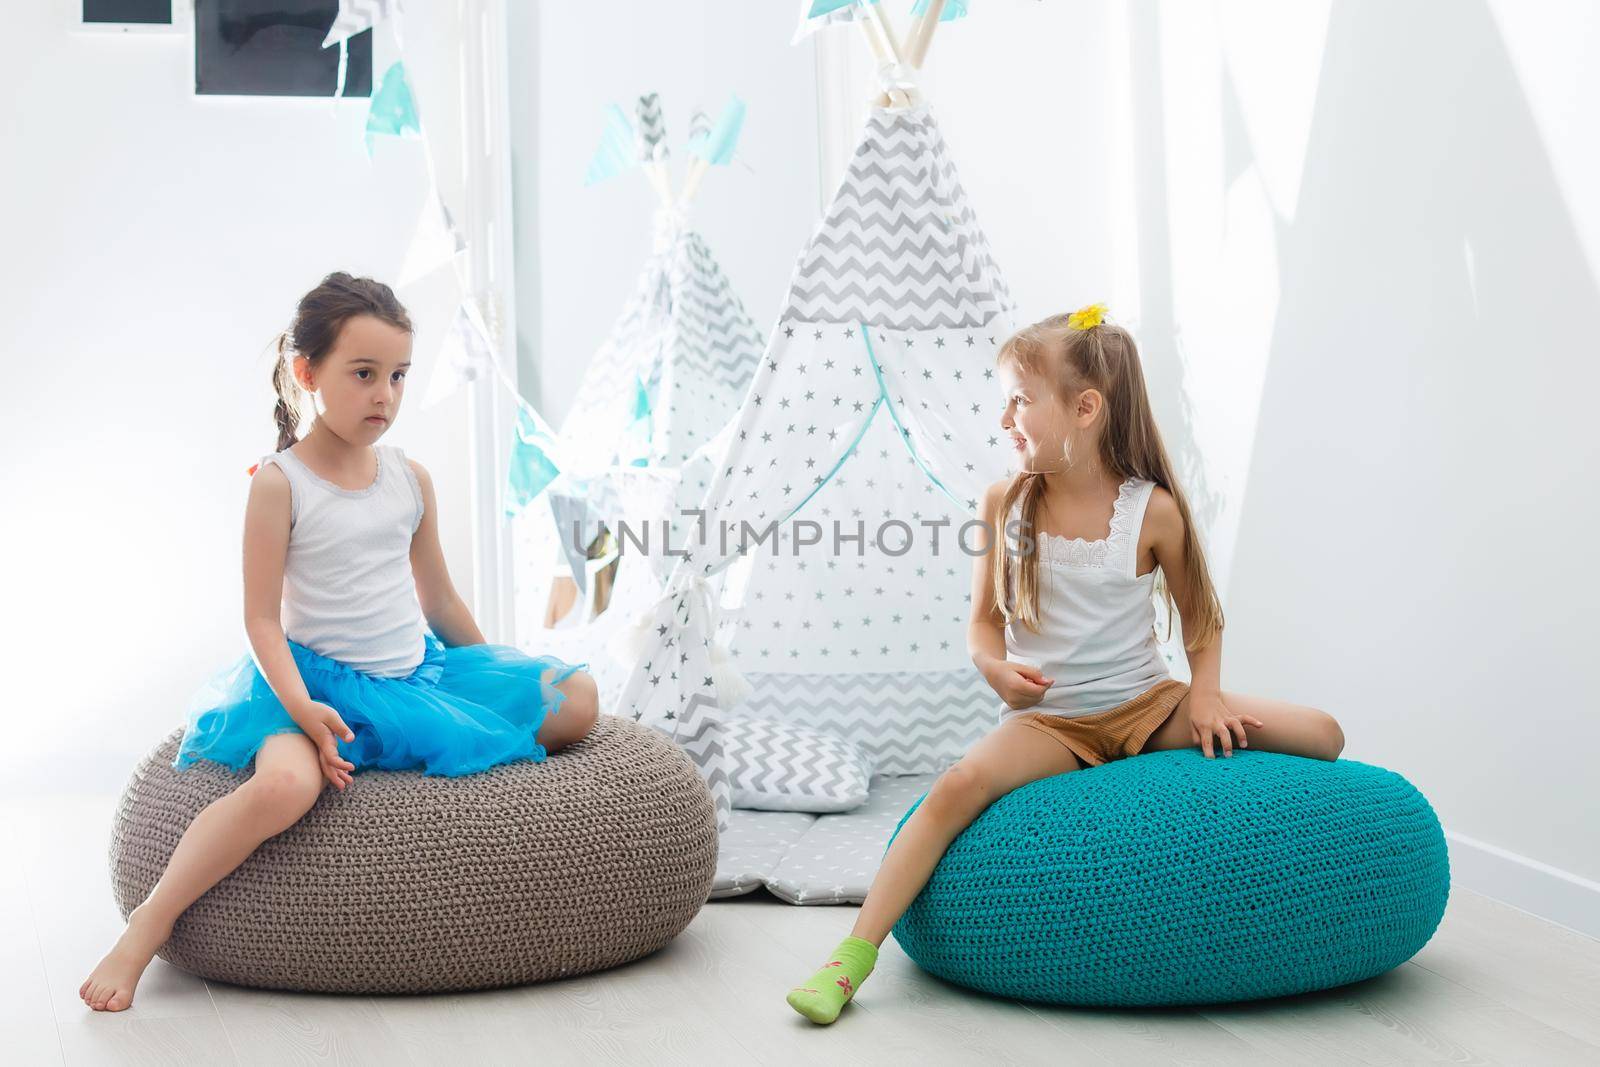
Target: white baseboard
{"points": [[1527, 884]]}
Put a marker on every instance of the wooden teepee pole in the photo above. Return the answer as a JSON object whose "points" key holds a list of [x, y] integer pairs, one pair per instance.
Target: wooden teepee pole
{"points": [[654, 167], [656, 172], [922, 33], [691, 182], [885, 49]]}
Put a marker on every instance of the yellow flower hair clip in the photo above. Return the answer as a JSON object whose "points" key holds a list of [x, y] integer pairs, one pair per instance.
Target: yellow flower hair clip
{"points": [[1088, 317]]}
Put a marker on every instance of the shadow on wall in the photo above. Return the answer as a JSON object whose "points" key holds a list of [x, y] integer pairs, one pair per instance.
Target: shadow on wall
{"points": [[1158, 337], [1419, 484]]}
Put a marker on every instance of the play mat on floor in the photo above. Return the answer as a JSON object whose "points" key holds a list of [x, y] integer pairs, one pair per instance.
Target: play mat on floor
{"points": [[814, 859]]}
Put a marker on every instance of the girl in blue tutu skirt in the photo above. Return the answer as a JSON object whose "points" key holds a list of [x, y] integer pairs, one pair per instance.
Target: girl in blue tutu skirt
{"points": [[342, 567]]}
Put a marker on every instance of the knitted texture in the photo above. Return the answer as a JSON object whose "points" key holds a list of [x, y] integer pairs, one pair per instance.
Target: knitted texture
{"points": [[1170, 878], [406, 883]]}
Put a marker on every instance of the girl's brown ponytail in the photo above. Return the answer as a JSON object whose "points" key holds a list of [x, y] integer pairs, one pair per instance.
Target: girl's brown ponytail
{"points": [[283, 383]]}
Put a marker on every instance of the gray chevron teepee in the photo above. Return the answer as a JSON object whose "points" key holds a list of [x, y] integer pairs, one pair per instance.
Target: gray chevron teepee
{"points": [[670, 374], [866, 439], [637, 443], [676, 363]]}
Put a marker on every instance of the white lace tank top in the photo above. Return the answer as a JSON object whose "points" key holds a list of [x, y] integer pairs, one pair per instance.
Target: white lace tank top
{"points": [[1096, 617], [348, 591]]}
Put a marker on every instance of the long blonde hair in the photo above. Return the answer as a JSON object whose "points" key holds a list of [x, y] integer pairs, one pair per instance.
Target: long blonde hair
{"points": [[1102, 357]]}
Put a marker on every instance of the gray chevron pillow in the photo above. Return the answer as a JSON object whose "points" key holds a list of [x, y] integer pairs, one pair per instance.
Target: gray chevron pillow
{"points": [[773, 766]]}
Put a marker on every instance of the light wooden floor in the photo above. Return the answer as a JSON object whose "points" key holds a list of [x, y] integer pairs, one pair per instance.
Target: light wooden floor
{"points": [[1495, 985]]}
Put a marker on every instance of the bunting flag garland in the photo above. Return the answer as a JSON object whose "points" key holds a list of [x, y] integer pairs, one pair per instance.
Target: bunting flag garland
{"points": [[715, 144], [464, 351], [819, 8], [357, 15], [532, 465], [392, 111], [953, 9], [616, 152], [816, 14], [434, 242]]}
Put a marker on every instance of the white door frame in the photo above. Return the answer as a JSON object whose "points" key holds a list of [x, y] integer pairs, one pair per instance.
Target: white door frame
{"points": [[487, 228]]}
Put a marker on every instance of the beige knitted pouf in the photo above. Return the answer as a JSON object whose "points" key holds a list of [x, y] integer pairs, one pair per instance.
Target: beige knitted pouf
{"points": [[598, 855]]}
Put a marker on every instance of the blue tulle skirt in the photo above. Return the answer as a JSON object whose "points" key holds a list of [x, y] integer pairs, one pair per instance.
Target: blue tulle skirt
{"points": [[464, 709]]}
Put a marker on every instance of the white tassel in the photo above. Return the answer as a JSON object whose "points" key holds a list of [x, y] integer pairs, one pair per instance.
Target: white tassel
{"points": [[629, 642], [731, 685]]}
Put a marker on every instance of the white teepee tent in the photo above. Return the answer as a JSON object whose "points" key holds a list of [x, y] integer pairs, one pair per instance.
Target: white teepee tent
{"points": [[668, 377], [867, 438]]}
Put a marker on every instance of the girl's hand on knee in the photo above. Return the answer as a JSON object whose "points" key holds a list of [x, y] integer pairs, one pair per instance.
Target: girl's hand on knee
{"points": [[1209, 718], [324, 726]]}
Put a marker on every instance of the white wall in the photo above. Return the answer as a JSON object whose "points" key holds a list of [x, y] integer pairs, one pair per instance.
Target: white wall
{"points": [[155, 242], [1358, 244], [591, 242], [1414, 506]]}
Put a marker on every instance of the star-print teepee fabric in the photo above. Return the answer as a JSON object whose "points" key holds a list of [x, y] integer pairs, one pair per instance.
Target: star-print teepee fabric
{"points": [[871, 429], [671, 374]]}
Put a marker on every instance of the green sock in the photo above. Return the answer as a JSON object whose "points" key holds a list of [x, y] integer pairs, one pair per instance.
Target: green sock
{"points": [[824, 994]]}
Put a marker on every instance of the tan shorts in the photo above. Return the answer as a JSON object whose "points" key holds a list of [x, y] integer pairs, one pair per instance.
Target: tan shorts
{"points": [[1115, 733]]}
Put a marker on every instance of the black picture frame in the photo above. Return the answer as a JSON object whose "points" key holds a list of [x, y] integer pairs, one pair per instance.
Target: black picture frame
{"points": [[274, 48], [127, 12]]}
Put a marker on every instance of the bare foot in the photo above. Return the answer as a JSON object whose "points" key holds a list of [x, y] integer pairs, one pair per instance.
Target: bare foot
{"points": [[110, 986]]}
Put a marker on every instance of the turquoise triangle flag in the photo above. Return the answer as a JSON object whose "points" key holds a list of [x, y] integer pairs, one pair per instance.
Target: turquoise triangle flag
{"points": [[822, 7], [715, 144], [634, 448], [616, 152], [391, 111], [532, 469]]}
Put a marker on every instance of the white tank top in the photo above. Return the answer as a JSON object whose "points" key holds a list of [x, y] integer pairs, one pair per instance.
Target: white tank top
{"points": [[348, 591], [1096, 617]]}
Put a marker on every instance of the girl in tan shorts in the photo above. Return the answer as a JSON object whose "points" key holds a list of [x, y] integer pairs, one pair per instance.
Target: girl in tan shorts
{"points": [[1063, 617]]}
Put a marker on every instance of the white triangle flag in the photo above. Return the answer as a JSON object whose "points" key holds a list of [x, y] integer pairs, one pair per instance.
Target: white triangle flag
{"points": [[357, 15], [434, 241]]}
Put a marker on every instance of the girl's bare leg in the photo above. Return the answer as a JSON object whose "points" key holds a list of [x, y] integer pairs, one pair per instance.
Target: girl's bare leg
{"points": [[287, 781], [1292, 729], [1010, 757], [579, 710]]}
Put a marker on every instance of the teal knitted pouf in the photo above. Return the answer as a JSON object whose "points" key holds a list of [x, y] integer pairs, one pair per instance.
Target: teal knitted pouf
{"points": [[1170, 878]]}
